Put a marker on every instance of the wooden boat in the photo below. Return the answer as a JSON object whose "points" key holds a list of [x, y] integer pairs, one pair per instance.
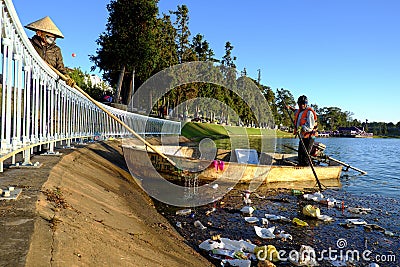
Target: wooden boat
{"points": [[256, 168]]}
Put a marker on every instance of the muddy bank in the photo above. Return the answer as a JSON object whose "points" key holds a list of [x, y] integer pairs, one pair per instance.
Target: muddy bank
{"points": [[89, 212], [225, 219]]}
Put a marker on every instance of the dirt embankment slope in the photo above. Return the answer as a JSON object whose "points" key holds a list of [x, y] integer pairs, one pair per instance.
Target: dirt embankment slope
{"points": [[93, 214]]}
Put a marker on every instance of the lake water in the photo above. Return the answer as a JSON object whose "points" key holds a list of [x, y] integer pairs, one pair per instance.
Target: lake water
{"points": [[377, 156]]}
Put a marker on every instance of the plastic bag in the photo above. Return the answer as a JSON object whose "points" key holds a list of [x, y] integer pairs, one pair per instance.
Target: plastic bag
{"points": [[311, 211]]}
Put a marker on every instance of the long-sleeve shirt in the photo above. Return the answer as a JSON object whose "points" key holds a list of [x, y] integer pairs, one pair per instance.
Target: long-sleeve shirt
{"points": [[50, 53]]}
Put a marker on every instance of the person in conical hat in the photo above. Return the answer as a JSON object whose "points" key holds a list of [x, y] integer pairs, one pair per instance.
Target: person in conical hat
{"points": [[44, 42]]}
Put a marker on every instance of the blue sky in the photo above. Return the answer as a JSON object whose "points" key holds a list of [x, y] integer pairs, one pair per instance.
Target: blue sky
{"points": [[339, 53]]}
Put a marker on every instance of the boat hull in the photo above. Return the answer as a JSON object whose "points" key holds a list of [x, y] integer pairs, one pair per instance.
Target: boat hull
{"points": [[142, 163], [272, 174]]}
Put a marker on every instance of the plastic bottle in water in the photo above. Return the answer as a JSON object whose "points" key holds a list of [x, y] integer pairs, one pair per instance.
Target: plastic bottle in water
{"points": [[299, 222]]}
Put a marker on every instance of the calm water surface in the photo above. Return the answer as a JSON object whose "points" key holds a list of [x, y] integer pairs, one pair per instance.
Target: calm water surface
{"points": [[377, 156]]}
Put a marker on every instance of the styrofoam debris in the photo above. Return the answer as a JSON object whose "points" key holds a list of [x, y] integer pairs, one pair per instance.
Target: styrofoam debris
{"points": [[251, 219], [183, 212], [325, 218], [273, 217], [247, 210], [199, 225], [265, 233], [356, 221]]}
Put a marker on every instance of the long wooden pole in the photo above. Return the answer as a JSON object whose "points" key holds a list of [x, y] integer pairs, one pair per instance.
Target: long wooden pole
{"points": [[345, 164], [123, 124], [348, 166], [304, 147]]}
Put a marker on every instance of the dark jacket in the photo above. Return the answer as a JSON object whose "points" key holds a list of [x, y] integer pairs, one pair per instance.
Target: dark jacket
{"points": [[50, 53]]}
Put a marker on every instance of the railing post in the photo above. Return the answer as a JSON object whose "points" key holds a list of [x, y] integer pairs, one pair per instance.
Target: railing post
{"points": [[6, 96], [16, 140], [27, 119]]}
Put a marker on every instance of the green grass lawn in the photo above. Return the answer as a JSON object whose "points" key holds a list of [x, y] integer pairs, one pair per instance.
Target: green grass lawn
{"points": [[194, 130]]}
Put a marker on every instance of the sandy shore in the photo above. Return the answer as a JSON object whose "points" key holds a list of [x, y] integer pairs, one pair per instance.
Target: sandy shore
{"points": [[84, 209]]}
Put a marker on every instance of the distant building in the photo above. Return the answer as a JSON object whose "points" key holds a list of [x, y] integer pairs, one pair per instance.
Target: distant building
{"points": [[96, 81], [353, 132]]}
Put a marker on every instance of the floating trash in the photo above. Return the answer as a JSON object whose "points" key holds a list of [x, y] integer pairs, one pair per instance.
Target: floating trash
{"points": [[315, 212], [264, 221], [389, 233], [273, 217], [283, 235], [246, 197], [359, 210], [209, 245], [317, 196], [247, 210], [199, 225], [330, 202], [215, 237], [356, 221], [265, 233], [239, 252], [325, 218], [183, 212], [238, 245], [210, 211], [251, 219], [241, 255], [260, 197], [223, 252], [296, 192], [311, 211], [299, 222], [247, 201], [374, 227]]}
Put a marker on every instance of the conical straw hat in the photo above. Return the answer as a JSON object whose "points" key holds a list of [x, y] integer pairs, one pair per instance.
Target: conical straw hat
{"points": [[45, 24]]}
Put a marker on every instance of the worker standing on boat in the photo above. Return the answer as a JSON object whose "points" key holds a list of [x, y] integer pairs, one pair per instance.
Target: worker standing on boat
{"points": [[44, 43], [306, 125]]}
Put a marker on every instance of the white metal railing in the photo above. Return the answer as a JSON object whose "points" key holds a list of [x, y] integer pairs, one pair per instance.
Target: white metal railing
{"points": [[37, 108]]}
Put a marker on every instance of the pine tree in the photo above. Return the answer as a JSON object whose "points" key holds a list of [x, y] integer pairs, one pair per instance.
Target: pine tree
{"points": [[185, 53], [129, 42]]}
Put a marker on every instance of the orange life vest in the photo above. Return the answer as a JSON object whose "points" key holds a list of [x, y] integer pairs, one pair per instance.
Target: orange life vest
{"points": [[303, 121]]}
